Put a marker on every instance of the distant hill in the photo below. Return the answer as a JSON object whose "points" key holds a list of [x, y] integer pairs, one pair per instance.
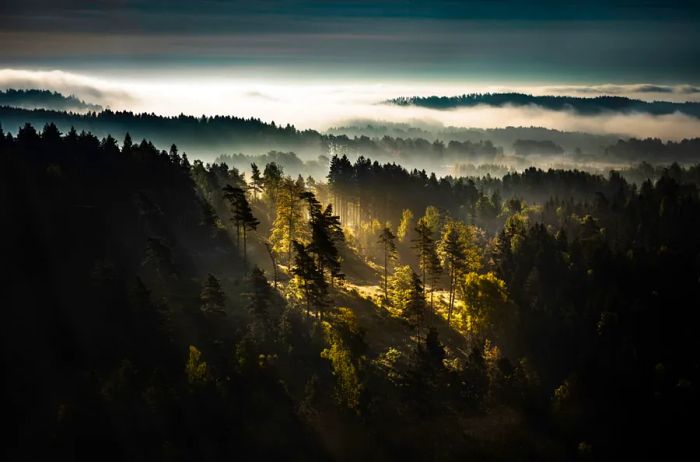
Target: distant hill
{"points": [[585, 106], [45, 99], [253, 140]]}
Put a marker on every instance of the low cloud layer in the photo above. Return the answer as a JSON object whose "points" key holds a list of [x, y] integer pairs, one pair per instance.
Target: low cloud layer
{"points": [[323, 105]]}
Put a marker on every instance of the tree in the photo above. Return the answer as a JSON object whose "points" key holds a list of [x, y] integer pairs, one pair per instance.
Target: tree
{"points": [[196, 369], [489, 311], [387, 240], [404, 225], [430, 355], [424, 244], [259, 296], [271, 254], [325, 232], [212, 297], [406, 295], [346, 352], [160, 256], [458, 253], [128, 144], [272, 179], [432, 219], [287, 226], [256, 180], [434, 273], [242, 215], [309, 279]]}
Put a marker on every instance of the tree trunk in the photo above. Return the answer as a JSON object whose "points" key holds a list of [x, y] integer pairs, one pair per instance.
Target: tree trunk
{"points": [[245, 248], [386, 290], [452, 290]]}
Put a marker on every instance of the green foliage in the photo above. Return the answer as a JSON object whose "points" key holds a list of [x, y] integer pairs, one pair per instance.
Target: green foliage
{"points": [[309, 279], [196, 369], [586, 299], [288, 225], [488, 310], [242, 214], [345, 352], [404, 225], [388, 242], [406, 295]]}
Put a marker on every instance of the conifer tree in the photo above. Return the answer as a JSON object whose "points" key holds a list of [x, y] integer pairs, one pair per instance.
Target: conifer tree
{"points": [[256, 180], [259, 296], [310, 279], [458, 254], [406, 295], [212, 296], [325, 233], [242, 215], [424, 244], [288, 225], [387, 240]]}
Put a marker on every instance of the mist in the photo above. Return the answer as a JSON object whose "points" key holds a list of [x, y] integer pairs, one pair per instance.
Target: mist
{"points": [[320, 106]]}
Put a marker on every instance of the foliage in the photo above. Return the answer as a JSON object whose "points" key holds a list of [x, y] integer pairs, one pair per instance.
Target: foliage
{"points": [[406, 295]]}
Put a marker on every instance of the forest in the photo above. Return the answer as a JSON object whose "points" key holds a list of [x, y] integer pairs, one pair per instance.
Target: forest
{"points": [[240, 141], [581, 105], [44, 99], [161, 308]]}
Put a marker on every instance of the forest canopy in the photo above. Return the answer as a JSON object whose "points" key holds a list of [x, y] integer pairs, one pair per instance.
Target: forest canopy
{"points": [[162, 307]]}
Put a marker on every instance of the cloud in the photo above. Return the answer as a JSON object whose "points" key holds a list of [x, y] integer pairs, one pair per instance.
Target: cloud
{"points": [[260, 95], [688, 89], [88, 89], [324, 104]]}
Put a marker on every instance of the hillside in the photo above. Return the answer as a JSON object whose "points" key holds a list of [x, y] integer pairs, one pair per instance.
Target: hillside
{"points": [[45, 99]]}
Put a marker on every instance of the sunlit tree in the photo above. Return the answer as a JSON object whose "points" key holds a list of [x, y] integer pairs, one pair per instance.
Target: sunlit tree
{"points": [[388, 242], [406, 295], [309, 279], [488, 310], [404, 225], [289, 221]]}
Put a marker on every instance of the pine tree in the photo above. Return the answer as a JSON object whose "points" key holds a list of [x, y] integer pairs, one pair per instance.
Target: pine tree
{"points": [[212, 296], [458, 254], [273, 178], [310, 279], [404, 225], [387, 240], [127, 145], [288, 225], [259, 297], [161, 257], [406, 295], [242, 215], [424, 244], [256, 180], [325, 233]]}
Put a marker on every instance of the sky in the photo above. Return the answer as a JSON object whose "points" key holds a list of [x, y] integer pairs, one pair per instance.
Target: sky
{"points": [[275, 59]]}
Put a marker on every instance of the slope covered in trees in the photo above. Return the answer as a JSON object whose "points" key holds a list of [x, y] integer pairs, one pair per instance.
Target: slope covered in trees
{"points": [[158, 308], [45, 99], [240, 141]]}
